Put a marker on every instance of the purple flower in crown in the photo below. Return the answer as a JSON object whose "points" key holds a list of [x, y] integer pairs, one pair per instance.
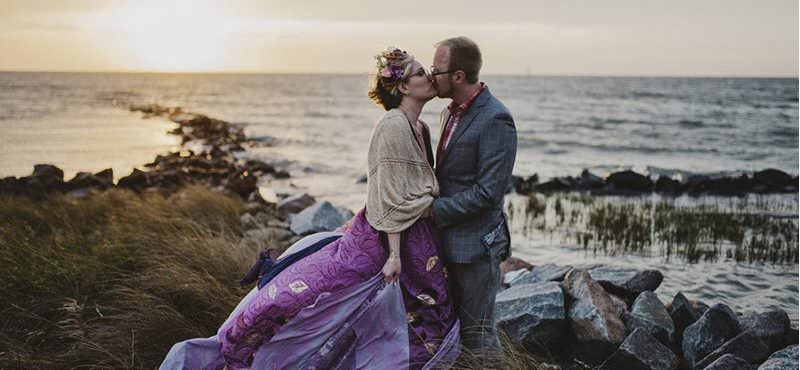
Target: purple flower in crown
{"points": [[397, 72], [389, 64]]}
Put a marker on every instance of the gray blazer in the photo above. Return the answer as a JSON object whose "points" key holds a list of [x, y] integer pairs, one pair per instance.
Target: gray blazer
{"points": [[474, 173]]}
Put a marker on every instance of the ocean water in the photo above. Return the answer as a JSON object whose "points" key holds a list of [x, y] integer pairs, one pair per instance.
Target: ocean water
{"points": [[318, 126]]}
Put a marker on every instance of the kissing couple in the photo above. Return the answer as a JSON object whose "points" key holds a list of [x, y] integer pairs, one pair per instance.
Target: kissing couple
{"points": [[412, 277]]}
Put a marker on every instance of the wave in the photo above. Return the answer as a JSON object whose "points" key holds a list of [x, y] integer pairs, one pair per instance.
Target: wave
{"points": [[689, 123], [619, 148]]}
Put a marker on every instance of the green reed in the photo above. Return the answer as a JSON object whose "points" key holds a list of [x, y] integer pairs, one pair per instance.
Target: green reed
{"points": [[748, 229]]}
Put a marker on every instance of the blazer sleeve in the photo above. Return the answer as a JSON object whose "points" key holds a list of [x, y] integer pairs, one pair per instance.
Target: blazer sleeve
{"points": [[497, 149]]}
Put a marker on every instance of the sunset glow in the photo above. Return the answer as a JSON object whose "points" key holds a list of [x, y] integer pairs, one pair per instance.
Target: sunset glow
{"points": [[174, 36], [606, 37]]}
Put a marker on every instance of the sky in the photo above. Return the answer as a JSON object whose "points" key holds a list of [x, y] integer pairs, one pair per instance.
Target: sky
{"points": [[536, 37]]}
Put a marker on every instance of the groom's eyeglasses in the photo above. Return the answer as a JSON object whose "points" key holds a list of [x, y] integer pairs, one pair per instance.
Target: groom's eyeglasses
{"points": [[434, 73]]}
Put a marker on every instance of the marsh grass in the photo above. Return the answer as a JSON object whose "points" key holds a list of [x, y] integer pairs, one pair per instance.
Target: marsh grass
{"points": [[749, 229], [114, 280]]}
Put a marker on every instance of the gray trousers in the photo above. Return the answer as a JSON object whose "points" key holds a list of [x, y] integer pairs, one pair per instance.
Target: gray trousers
{"points": [[474, 286]]}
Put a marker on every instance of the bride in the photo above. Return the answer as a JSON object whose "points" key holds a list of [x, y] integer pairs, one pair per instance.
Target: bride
{"points": [[370, 295]]}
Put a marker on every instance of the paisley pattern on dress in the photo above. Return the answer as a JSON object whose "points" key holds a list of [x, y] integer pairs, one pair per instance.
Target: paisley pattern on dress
{"points": [[354, 258]]}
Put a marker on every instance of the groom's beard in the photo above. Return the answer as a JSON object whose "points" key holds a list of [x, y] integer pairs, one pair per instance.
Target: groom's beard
{"points": [[444, 93]]}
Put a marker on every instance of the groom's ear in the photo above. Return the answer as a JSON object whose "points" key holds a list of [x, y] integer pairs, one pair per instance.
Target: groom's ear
{"points": [[460, 76]]}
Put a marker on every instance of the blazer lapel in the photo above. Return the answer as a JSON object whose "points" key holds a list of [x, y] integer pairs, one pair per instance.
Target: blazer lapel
{"points": [[464, 123]]}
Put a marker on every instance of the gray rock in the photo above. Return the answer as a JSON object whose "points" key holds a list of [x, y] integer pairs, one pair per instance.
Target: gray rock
{"points": [[641, 351], [322, 216], [346, 213], [620, 306], [717, 325], [683, 314], [533, 316], [624, 281], [295, 203], [771, 327], [511, 275], [548, 272], [792, 336], [649, 313], [730, 362], [592, 314], [785, 359], [746, 346]]}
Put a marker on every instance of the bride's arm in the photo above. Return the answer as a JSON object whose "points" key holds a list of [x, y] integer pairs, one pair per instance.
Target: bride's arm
{"points": [[392, 267]]}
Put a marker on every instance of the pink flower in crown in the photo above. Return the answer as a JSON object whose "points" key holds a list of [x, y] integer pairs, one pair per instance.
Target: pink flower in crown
{"points": [[386, 72]]}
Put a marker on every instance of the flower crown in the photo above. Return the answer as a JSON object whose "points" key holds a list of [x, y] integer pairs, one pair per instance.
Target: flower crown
{"points": [[390, 66]]}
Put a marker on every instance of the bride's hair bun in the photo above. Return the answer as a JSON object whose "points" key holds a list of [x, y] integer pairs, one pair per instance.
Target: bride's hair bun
{"points": [[392, 66]]}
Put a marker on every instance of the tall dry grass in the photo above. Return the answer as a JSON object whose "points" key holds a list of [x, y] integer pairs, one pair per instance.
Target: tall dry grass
{"points": [[114, 280]]}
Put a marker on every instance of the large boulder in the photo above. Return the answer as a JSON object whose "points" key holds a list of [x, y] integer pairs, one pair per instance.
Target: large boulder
{"points": [[730, 362], [649, 313], [746, 346], [624, 281], [556, 184], [771, 327], [548, 272], [717, 325], [534, 317], [629, 181], [641, 351], [514, 264], [667, 185], [683, 314], [295, 203], [45, 178], [137, 180], [771, 180], [322, 216], [593, 316], [590, 181], [785, 359]]}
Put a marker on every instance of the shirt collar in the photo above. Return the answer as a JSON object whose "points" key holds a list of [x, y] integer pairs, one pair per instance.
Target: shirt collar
{"points": [[461, 108]]}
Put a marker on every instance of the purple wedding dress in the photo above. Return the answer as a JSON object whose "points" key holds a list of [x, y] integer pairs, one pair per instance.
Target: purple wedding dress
{"points": [[333, 310]]}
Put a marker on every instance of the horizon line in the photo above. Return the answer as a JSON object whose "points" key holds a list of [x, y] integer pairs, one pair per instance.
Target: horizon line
{"points": [[356, 73]]}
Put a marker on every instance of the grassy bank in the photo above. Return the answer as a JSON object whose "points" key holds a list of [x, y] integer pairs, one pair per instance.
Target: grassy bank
{"points": [[114, 280]]}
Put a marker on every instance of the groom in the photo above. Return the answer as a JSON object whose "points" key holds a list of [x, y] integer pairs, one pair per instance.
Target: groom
{"points": [[475, 156]]}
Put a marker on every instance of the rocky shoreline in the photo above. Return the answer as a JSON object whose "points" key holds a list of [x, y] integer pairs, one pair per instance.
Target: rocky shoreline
{"points": [[586, 317], [769, 181], [607, 317]]}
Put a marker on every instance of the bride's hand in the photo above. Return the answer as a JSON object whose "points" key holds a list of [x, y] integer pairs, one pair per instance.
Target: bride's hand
{"points": [[391, 269]]}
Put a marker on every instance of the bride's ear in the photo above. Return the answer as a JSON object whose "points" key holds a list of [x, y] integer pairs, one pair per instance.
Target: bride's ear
{"points": [[403, 88]]}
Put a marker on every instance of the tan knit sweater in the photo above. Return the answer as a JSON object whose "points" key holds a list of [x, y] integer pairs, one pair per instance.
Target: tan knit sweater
{"points": [[400, 182]]}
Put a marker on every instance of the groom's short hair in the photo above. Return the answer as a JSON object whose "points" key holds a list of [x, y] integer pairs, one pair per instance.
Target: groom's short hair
{"points": [[464, 55]]}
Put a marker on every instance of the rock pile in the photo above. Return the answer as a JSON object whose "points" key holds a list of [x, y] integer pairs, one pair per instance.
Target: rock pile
{"points": [[631, 183], [608, 317]]}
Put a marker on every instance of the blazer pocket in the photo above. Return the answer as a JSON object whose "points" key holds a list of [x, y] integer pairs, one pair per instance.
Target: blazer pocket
{"points": [[497, 242]]}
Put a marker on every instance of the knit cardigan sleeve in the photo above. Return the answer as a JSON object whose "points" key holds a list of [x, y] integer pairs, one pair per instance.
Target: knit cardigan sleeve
{"points": [[400, 182]]}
